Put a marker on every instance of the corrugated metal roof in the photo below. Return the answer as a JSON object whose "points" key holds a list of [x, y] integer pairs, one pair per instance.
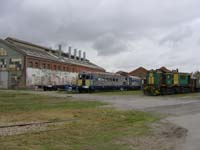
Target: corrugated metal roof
{"points": [[45, 53]]}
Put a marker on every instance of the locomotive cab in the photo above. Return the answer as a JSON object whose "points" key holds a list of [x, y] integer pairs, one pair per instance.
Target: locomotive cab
{"points": [[84, 81]]}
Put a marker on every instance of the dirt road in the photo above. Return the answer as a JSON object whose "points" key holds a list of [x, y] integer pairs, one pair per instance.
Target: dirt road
{"points": [[182, 110]]}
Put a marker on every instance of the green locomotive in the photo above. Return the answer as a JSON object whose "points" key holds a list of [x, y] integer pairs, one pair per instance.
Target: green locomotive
{"points": [[162, 83]]}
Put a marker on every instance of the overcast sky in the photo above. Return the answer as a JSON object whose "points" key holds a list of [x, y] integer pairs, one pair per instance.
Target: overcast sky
{"points": [[116, 34]]}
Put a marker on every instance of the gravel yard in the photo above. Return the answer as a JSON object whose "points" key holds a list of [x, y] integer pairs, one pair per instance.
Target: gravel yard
{"points": [[181, 114]]}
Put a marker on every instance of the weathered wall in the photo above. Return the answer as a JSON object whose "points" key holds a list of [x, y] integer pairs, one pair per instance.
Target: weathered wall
{"points": [[3, 79], [35, 76], [12, 64]]}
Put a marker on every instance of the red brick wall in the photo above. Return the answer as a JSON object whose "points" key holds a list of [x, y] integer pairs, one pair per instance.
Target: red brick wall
{"points": [[140, 72], [53, 65]]}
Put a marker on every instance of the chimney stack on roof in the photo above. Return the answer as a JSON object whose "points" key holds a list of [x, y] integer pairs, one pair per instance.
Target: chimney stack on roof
{"points": [[79, 55], [69, 52], [75, 51], [84, 56], [59, 50]]}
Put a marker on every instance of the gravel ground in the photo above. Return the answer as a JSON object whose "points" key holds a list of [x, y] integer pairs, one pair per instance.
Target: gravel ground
{"points": [[183, 111]]}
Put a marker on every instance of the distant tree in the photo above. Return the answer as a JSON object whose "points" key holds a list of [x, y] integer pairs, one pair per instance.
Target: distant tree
{"points": [[197, 74]]}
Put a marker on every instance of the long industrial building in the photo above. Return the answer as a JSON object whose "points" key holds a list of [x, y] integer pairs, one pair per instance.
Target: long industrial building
{"points": [[26, 65]]}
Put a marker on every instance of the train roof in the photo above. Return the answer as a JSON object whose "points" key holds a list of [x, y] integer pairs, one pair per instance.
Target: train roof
{"points": [[109, 73]]}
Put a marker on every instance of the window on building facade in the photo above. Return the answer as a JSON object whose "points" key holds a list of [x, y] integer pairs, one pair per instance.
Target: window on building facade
{"points": [[59, 67], [44, 66], [3, 64], [3, 52], [30, 64], [16, 64], [55, 67], [48, 66], [36, 65]]}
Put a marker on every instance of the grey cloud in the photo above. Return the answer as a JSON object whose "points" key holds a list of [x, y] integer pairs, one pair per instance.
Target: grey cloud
{"points": [[109, 45], [177, 36], [107, 26]]}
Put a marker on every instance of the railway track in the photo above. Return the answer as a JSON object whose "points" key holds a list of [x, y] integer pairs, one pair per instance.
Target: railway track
{"points": [[36, 123], [23, 128]]}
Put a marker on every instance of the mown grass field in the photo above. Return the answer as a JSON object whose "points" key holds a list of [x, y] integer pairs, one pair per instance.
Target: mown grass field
{"points": [[131, 92], [95, 128]]}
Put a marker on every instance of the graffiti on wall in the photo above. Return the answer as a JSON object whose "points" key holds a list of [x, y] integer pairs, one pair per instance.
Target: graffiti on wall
{"points": [[49, 77]]}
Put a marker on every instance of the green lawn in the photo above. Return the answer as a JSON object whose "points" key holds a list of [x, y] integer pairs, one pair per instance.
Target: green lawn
{"points": [[96, 128], [132, 92], [118, 92]]}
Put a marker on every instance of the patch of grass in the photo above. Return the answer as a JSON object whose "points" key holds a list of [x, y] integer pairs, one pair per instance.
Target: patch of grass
{"points": [[23, 102], [68, 92], [97, 128], [117, 92], [132, 92], [20, 106]]}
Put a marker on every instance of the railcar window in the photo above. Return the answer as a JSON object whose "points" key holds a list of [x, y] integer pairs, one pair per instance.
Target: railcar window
{"points": [[87, 77], [91, 77]]}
